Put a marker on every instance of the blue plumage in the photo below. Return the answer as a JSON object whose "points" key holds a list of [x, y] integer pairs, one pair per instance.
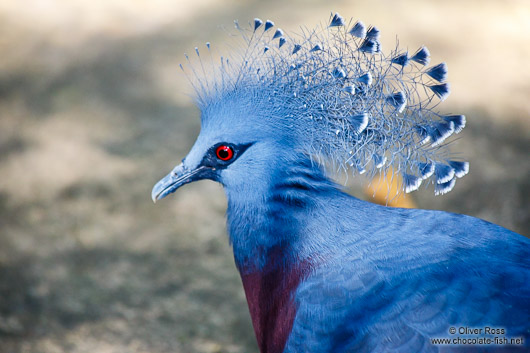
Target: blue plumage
{"points": [[338, 73], [402, 59], [440, 131], [359, 122], [441, 90], [277, 34], [257, 23], [365, 79], [426, 170], [370, 46], [337, 21], [422, 56], [398, 100], [443, 173], [373, 33], [317, 47], [322, 270], [459, 122], [268, 25], [296, 48], [438, 72], [460, 168], [358, 30]]}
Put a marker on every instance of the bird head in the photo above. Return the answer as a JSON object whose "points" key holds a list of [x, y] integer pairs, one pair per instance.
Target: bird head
{"points": [[329, 93], [237, 144]]}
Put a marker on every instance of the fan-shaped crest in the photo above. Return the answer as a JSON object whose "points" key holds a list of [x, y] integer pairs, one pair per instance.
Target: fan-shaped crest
{"points": [[353, 105]]}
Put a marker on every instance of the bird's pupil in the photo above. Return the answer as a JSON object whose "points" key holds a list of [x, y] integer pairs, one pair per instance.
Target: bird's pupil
{"points": [[224, 153]]}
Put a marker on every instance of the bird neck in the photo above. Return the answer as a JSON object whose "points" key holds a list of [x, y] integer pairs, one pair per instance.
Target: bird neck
{"points": [[267, 225], [267, 219]]}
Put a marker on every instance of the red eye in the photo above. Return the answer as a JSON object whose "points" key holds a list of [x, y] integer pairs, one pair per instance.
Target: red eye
{"points": [[224, 153]]}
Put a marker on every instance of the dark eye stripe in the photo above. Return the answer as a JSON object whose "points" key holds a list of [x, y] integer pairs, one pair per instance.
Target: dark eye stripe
{"points": [[221, 155]]}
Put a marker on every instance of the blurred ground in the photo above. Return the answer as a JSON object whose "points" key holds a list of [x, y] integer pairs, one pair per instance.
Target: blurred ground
{"points": [[93, 111]]}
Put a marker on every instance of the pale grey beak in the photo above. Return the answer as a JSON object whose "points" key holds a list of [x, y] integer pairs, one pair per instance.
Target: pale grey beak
{"points": [[179, 176]]}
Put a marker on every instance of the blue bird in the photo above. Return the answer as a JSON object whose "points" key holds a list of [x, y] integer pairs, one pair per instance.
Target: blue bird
{"points": [[324, 271]]}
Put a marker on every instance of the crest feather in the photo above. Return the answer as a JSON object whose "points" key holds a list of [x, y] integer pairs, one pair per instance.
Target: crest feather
{"points": [[347, 101]]}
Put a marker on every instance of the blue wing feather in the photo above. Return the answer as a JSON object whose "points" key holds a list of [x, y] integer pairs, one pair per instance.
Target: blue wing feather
{"points": [[463, 272]]}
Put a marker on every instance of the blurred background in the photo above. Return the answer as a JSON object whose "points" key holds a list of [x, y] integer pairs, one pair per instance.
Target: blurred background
{"points": [[94, 110]]}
